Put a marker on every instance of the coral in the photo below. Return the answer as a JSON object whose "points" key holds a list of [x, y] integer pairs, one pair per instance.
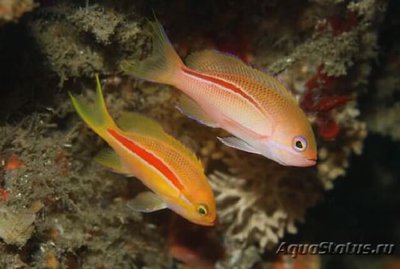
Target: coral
{"points": [[12, 10], [318, 71], [333, 161], [68, 57], [16, 227], [382, 112], [259, 210], [240, 209], [386, 121], [367, 8], [259, 201], [62, 187], [10, 260], [335, 53], [96, 20], [74, 212], [259, 204], [89, 40], [13, 163]]}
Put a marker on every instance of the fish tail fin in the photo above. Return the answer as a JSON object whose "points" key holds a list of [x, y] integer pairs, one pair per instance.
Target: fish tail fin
{"points": [[95, 115], [163, 62]]}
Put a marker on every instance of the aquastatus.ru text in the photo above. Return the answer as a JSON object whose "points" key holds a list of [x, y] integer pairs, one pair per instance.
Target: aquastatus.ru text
{"points": [[330, 248]]}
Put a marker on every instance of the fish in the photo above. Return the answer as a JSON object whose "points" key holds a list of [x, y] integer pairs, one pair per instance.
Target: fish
{"points": [[140, 147], [221, 91]]}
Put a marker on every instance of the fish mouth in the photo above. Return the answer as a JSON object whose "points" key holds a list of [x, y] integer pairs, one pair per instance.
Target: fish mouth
{"points": [[208, 224], [312, 161], [306, 162], [211, 223]]}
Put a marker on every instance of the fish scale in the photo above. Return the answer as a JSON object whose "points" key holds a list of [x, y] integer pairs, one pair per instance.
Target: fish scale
{"points": [[224, 65], [173, 159]]}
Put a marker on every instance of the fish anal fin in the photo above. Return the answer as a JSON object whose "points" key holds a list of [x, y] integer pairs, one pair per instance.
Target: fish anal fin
{"points": [[191, 109], [147, 202], [110, 159], [237, 143]]}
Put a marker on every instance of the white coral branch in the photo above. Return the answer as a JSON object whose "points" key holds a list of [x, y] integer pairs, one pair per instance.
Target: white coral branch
{"points": [[240, 211]]}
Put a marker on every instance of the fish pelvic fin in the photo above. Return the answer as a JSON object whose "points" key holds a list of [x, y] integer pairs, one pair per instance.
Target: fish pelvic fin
{"points": [[191, 109], [238, 143], [147, 202], [162, 63], [110, 159], [95, 115]]}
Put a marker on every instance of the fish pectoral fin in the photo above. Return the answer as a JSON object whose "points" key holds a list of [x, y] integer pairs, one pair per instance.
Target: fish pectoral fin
{"points": [[237, 143], [191, 109], [110, 159], [147, 202]]}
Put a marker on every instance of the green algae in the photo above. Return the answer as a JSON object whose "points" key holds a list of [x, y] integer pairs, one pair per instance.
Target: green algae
{"points": [[88, 40]]}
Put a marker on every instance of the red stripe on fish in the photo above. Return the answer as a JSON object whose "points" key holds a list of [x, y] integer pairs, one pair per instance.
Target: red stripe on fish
{"points": [[150, 158], [224, 84]]}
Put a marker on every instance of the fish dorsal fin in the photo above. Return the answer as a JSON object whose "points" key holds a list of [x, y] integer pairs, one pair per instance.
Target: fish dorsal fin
{"points": [[137, 124], [225, 65]]}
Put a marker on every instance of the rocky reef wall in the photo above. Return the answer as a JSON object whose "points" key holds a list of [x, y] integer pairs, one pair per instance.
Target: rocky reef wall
{"points": [[59, 209]]}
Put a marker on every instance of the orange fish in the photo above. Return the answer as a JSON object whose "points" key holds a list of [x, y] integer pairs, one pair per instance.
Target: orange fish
{"points": [[223, 92], [141, 148]]}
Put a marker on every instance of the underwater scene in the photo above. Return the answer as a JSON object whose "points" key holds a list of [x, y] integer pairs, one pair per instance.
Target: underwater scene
{"points": [[183, 134]]}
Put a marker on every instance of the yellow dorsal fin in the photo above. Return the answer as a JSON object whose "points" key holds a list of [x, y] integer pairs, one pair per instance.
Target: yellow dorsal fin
{"points": [[131, 122], [135, 122], [216, 63]]}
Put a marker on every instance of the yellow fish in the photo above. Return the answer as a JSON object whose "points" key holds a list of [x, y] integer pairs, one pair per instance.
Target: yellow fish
{"points": [[141, 148], [223, 92]]}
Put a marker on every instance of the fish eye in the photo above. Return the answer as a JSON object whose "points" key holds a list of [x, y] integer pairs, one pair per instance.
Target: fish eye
{"points": [[202, 210], [299, 143]]}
